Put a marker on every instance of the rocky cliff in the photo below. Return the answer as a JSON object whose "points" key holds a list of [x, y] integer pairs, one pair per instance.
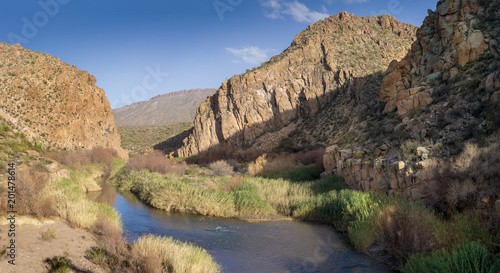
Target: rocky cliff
{"points": [[168, 108], [458, 32], [299, 81], [444, 135], [53, 103]]}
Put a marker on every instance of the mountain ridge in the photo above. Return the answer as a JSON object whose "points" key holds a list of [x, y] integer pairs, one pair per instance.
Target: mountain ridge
{"points": [[172, 107], [299, 81]]}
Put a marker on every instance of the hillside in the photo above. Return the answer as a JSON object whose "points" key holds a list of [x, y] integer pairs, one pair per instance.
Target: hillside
{"points": [[53, 103], [326, 57], [143, 139], [435, 130], [168, 108]]}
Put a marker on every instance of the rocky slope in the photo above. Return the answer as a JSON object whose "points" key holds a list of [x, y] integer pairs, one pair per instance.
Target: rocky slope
{"points": [[439, 133], [338, 50], [456, 33], [53, 103], [169, 108]]}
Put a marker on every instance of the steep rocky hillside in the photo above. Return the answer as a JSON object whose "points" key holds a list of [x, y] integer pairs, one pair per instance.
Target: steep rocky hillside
{"points": [[436, 132], [172, 107], [53, 103], [339, 50]]}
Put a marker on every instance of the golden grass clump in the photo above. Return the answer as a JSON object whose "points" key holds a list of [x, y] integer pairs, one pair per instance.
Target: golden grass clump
{"points": [[175, 256]]}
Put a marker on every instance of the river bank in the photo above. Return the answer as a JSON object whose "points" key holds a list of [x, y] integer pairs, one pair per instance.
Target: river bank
{"points": [[48, 190], [408, 231], [40, 240]]}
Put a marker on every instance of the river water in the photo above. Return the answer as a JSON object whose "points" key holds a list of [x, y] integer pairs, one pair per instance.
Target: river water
{"points": [[240, 246]]}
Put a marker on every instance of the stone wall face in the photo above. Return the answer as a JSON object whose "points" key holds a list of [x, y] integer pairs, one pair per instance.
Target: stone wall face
{"points": [[449, 36], [385, 175]]}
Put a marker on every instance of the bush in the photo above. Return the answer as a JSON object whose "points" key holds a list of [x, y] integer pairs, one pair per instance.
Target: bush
{"points": [[109, 233], [348, 210], [30, 197], [470, 257], [59, 264], [155, 162], [49, 234], [213, 154], [233, 183], [265, 164], [76, 159], [221, 168], [174, 256], [407, 229]]}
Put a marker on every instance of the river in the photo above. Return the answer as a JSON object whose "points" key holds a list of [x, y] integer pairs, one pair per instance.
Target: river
{"points": [[241, 246]]}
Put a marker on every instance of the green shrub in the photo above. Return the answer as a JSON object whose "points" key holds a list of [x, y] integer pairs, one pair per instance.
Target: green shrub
{"points": [[470, 257], [59, 264]]}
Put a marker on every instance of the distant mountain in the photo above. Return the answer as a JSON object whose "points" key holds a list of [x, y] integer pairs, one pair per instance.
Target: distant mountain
{"points": [[172, 107]]}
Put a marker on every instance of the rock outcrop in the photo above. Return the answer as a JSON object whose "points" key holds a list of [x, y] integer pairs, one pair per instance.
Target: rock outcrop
{"points": [[383, 175], [299, 81], [456, 33], [168, 108], [446, 94], [53, 103]]}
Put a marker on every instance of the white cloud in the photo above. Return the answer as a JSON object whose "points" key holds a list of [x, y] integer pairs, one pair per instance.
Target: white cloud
{"points": [[280, 9], [250, 54]]}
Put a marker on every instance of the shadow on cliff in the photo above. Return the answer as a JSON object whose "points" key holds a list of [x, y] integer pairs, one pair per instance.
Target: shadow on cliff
{"points": [[350, 94]]}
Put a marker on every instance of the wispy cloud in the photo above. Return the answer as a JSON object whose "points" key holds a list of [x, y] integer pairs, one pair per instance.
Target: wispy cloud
{"points": [[281, 9], [250, 54]]}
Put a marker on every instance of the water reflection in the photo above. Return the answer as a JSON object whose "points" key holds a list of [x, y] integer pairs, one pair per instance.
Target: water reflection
{"points": [[280, 246], [106, 195]]}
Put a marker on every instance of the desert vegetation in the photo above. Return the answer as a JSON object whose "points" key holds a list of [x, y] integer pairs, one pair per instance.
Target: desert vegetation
{"points": [[141, 139], [46, 189], [272, 186]]}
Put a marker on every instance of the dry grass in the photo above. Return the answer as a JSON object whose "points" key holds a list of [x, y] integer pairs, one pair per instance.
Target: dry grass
{"points": [[213, 154], [265, 164], [109, 233], [221, 168], [30, 199], [75, 159], [469, 182], [407, 230], [155, 162], [49, 234], [233, 183], [175, 256], [468, 156]]}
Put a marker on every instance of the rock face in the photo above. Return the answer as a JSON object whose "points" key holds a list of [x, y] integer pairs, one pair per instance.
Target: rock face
{"points": [[54, 103], [299, 81], [455, 33], [383, 175], [172, 107], [451, 74]]}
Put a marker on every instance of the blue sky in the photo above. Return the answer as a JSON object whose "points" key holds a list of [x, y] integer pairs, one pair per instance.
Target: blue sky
{"points": [[139, 49]]}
